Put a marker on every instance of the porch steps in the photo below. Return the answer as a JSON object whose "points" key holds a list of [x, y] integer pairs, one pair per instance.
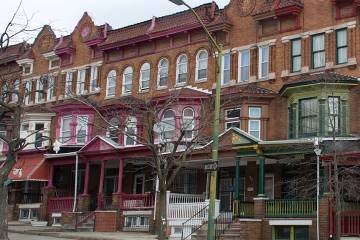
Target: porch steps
{"points": [[233, 233]]}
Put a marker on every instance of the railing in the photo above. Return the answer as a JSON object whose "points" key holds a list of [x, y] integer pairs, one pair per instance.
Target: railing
{"points": [[184, 210], [31, 198], [185, 198], [350, 224], [105, 202], [290, 208], [136, 201], [222, 223], [243, 209], [84, 218], [64, 204], [194, 223]]}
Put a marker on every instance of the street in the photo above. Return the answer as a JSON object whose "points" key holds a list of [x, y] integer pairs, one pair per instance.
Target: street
{"points": [[16, 236]]}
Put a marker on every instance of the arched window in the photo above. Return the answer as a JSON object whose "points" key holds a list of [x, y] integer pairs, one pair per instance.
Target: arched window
{"points": [[127, 80], [130, 131], [201, 65], [181, 69], [144, 76], [188, 123], [167, 128], [113, 131], [111, 83], [163, 72], [15, 96]]}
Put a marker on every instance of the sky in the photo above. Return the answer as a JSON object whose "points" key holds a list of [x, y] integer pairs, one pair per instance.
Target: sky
{"points": [[63, 15]]}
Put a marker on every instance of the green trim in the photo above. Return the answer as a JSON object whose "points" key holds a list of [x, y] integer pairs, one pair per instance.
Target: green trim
{"points": [[322, 110], [237, 180], [261, 192], [295, 56], [344, 117]]}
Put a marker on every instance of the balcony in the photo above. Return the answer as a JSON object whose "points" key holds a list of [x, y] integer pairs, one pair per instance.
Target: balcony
{"points": [[293, 208]]}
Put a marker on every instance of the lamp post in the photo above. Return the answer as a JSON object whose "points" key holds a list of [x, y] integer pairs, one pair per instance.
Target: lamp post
{"points": [[215, 146], [317, 151]]}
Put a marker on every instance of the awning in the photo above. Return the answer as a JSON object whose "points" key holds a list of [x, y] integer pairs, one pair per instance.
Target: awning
{"points": [[30, 169]]}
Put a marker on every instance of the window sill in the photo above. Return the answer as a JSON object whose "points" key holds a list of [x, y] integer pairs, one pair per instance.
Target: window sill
{"points": [[180, 84], [126, 94], [201, 80], [162, 87], [109, 97], [144, 91]]}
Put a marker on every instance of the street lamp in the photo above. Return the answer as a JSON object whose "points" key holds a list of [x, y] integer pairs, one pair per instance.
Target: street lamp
{"points": [[317, 151], [215, 146]]}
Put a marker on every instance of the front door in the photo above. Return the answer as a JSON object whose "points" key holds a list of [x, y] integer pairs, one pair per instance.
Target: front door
{"points": [[139, 184], [226, 194]]}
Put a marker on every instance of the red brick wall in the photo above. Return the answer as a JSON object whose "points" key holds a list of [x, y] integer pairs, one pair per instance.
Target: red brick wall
{"points": [[106, 221]]}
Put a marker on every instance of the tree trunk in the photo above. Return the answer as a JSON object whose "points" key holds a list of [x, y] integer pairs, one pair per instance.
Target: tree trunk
{"points": [[337, 199], [3, 212], [163, 215]]}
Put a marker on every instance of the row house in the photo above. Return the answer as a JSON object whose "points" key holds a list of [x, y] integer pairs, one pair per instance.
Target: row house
{"points": [[289, 80]]}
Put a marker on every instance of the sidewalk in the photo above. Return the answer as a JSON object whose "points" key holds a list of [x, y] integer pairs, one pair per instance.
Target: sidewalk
{"points": [[22, 228]]}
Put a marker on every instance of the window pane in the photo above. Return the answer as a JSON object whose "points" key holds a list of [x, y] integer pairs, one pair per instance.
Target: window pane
{"points": [[254, 112], [319, 42], [226, 69], [282, 232], [342, 55], [296, 64], [232, 124], [319, 59], [341, 38], [296, 47], [301, 232], [245, 58], [265, 54], [232, 113]]}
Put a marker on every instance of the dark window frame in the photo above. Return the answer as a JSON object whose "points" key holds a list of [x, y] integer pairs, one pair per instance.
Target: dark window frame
{"points": [[341, 47], [295, 56]]}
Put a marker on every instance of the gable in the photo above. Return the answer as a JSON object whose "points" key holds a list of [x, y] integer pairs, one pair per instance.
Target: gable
{"points": [[97, 144]]}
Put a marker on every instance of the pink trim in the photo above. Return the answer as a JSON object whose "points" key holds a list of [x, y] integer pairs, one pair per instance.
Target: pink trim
{"points": [[87, 172], [119, 190], [51, 177]]}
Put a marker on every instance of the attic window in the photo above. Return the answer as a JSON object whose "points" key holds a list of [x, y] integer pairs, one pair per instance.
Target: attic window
{"points": [[54, 63], [27, 69]]}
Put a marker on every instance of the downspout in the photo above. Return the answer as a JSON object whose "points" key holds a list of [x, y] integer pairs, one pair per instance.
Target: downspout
{"points": [[76, 180]]}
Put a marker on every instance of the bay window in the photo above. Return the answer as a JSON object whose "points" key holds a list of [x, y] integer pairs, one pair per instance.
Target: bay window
{"points": [[244, 65], [181, 69], [296, 55], [341, 46], [308, 115], [145, 77], [188, 124], [80, 85], [130, 131], [201, 65], [318, 51], [39, 95], [93, 78], [113, 130], [127, 80], [163, 73], [111, 83], [167, 126], [65, 129], [334, 114], [81, 129], [232, 118], [225, 69], [68, 84], [50, 88], [15, 94], [263, 62], [28, 92], [254, 122], [39, 128]]}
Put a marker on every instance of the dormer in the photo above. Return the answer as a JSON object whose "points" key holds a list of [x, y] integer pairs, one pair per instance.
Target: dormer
{"points": [[277, 16], [54, 60], [345, 8], [64, 50], [27, 65]]}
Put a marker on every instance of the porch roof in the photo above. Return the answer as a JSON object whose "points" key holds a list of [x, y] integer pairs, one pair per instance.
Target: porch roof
{"points": [[30, 169]]}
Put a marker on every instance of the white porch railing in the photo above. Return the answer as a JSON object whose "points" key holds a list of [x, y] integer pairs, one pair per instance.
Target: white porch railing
{"points": [[186, 210], [174, 198]]}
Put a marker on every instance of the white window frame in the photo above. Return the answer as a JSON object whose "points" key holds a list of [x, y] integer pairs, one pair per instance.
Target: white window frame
{"points": [[80, 81], [223, 68], [93, 78], [232, 120], [142, 176], [241, 66], [62, 127], [255, 119], [39, 87], [130, 123], [31, 69], [127, 72], [50, 88], [50, 63], [163, 126], [270, 175], [111, 76], [262, 74], [180, 64], [68, 84], [192, 125], [160, 68], [28, 92], [78, 128], [14, 96], [197, 69], [144, 67]]}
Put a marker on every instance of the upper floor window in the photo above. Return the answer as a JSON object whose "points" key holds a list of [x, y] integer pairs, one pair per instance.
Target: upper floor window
{"points": [[163, 72], [201, 65], [111, 83], [27, 68], [65, 133], [80, 85], [244, 65], [341, 46], [181, 69], [15, 94], [113, 131], [145, 77], [225, 69], [50, 88], [39, 94], [28, 92], [254, 122], [68, 84], [127, 80], [296, 55], [188, 123], [81, 129], [308, 117], [167, 126], [232, 118], [130, 131], [263, 62], [39, 128], [93, 78], [54, 63], [318, 51]]}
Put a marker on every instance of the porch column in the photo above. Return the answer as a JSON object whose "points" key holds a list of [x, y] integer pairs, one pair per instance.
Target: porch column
{"points": [[51, 177], [86, 183], [119, 189], [261, 192], [237, 180], [101, 186]]}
